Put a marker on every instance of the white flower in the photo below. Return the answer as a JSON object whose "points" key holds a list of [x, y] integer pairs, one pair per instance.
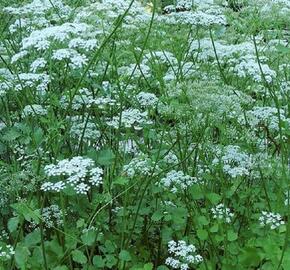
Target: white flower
{"points": [[250, 67], [130, 118], [85, 130], [40, 81], [52, 216], [18, 56], [34, 109], [223, 213], [175, 180], [38, 63], [171, 158], [80, 173], [182, 255], [135, 71], [76, 60], [83, 98], [37, 8], [42, 39], [147, 99], [81, 43], [96, 176], [271, 219], [235, 162], [141, 165], [56, 187], [82, 188], [265, 116], [6, 252]]}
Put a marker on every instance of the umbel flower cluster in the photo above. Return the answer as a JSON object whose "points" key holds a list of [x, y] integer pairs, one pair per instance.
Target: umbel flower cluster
{"points": [[182, 256], [273, 220], [6, 252], [78, 172], [177, 180], [52, 216], [141, 165], [234, 162], [222, 213]]}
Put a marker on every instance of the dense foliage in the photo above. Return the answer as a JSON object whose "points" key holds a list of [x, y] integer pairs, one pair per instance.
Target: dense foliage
{"points": [[144, 135]]}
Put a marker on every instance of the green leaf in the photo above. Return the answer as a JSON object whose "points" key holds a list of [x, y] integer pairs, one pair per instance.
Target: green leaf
{"points": [[122, 181], [196, 192], [62, 267], [13, 224], [250, 257], [162, 267], [214, 228], [148, 266], [157, 215], [282, 49], [89, 237], [213, 197], [80, 223], [11, 135], [54, 247], [70, 241], [106, 157], [282, 228], [202, 234], [98, 261], [203, 220], [33, 238], [124, 255], [111, 261], [179, 214], [26, 211], [38, 136], [232, 236], [219, 238], [79, 257], [21, 256], [110, 247]]}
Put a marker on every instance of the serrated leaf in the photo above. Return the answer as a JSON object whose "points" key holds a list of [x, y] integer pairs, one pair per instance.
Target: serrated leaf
{"points": [[62, 267], [213, 197], [157, 216], [11, 135], [98, 261], [13, 224], [148, 266], [124, 255], [250, 257], [111, 261], [232, 236], [202, 234], [80, 223], [21, 256], [89, 237], [79, 257], [214, 228], [26, 211], [32, 238], [203, 220]]}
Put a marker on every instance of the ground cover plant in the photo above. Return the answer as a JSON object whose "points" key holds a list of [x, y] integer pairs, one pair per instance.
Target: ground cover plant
{"points": [[144, 135]]}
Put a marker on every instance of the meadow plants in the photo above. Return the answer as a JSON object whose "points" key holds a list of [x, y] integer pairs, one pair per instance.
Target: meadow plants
{"points": [[144, 135]]}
